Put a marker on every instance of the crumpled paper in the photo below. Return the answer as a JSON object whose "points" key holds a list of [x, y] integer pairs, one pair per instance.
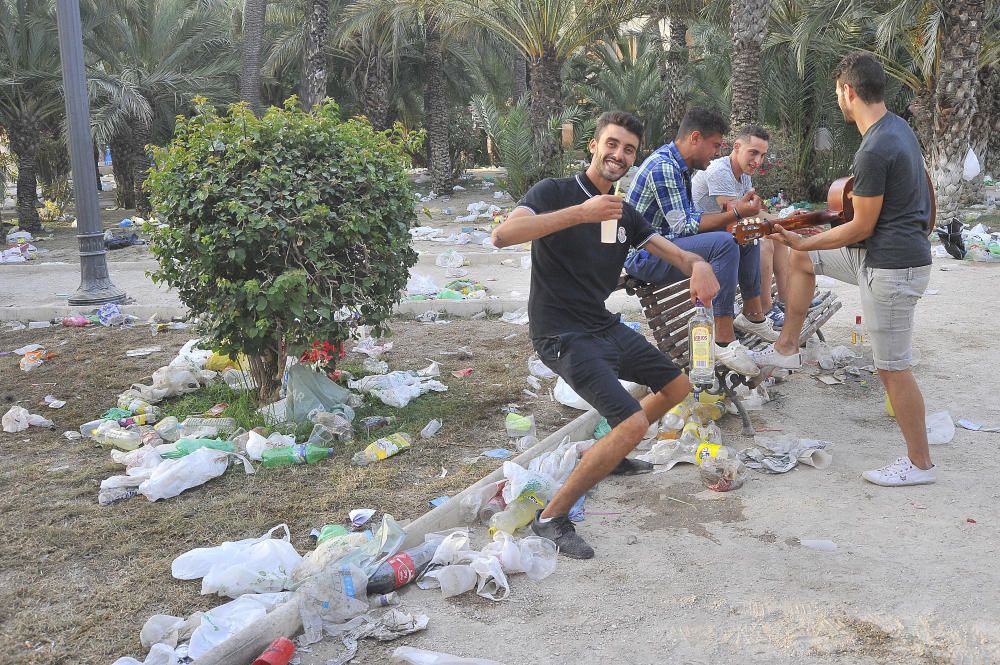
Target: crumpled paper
{"points": [[784, 454], [391, 625]]}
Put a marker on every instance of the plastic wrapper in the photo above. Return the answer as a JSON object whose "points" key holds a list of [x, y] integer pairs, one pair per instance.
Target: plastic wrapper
{"points": [[309, 390], [722, 474], [414, 656]]}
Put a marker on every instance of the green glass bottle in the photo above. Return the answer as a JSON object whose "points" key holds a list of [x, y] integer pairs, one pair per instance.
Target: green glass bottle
{"points": [[301, 453]]}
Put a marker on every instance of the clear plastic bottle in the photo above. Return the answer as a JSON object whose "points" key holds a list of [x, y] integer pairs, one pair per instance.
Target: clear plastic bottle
{"points": [[401, 568], [168, 428], [193, 424], [675, 418], [336, 423], [517, 514], [111, 434], [382, 448], [701, 347], [374, 422]]}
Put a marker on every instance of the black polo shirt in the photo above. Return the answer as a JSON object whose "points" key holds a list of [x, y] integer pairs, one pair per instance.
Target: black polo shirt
{"points": [[572, 271]]}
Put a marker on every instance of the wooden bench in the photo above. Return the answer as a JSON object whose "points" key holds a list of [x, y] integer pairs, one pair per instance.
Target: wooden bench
{"points": [[668, 308]]}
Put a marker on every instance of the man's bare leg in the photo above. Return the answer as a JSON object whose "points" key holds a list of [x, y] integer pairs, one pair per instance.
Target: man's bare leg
{"points": [[908, 404], [724, 331], [614, 446], [753, 308], [800, 287], [780, 260], [766, 274]]}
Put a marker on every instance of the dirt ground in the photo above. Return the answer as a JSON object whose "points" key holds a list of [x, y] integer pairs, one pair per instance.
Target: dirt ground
{"points": [[78, 579]]}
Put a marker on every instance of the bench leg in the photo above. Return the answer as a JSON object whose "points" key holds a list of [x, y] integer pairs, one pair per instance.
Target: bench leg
{"points": [[819, 333], [744, 416]]}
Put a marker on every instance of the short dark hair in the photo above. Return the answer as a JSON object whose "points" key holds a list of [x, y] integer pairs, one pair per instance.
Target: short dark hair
{"points": [[702, 120], [864, 73], [624, 119], [754, 130]]}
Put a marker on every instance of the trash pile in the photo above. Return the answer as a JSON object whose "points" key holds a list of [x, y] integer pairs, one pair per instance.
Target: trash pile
{"points": [[341, 589], [422, 287], [19, 248]]}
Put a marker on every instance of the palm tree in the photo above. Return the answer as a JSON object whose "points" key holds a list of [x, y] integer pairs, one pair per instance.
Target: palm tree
{"points": [[626, 77], [547, 33], [153, 57], [29, 73], [315, 32], [748, 24], [254, 12]]}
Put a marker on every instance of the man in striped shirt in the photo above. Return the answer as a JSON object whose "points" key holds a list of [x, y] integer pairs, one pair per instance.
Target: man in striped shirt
{"points": [[661, 193]]}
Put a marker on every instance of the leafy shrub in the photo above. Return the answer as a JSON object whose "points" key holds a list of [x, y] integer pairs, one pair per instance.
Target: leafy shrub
{"points": [[281, 229]]}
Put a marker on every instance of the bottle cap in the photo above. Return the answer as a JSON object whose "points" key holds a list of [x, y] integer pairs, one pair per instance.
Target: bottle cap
{"points": [[698, 303], [857, 319]]}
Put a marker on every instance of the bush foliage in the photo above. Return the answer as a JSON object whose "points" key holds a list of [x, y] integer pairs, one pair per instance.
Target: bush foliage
{"points": [[276, 224]]}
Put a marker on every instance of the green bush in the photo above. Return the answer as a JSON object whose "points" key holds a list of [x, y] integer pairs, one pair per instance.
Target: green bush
{"points": [[275, 224]]}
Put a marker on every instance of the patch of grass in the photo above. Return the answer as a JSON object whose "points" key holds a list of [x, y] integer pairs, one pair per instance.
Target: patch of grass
{"points": [[242, 405]]}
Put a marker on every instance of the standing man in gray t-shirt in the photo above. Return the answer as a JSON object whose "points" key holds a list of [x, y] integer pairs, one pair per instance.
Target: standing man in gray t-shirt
{"points": [[892, 209], [727, 179]]}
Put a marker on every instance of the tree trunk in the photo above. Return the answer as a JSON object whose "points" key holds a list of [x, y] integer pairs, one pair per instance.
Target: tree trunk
{"points": [[546, 101], [955, 100], [436, 96], [317, 20], [375, 91], [675, 72], [520, 76], [253, 39], [140, 166], [749, 27], [922, 109], [266, 372], [121, 167], [979, 132], [25, 138]]}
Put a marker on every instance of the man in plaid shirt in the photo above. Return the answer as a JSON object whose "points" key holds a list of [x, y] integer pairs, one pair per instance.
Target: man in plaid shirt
{"points": [[661, 193]]}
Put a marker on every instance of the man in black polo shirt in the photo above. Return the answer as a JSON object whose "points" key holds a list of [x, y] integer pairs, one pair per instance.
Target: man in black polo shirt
{"points": [[572, 274]]}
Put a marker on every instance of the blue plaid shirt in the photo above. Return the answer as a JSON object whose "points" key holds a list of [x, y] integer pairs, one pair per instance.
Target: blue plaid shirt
{"points": [[662, 184]]}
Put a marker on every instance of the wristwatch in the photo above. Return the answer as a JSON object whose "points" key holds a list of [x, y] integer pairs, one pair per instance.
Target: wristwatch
{"points": [[737, 213]]}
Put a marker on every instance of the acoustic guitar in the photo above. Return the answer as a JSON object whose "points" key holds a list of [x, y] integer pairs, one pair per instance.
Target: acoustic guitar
{"points": [[840, 210]]}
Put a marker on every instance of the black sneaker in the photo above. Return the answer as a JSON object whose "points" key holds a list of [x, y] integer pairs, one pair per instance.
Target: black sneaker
{"points": [[562, 532], [631, 467]]}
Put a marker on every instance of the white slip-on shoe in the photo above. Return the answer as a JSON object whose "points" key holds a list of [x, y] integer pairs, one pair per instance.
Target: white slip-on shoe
{"points": [[770, 357], [900, 473], [735, 356], [763, 329]]}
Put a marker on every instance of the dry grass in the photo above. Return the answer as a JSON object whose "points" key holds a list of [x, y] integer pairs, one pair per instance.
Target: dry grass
{"points": [[78, 580]]}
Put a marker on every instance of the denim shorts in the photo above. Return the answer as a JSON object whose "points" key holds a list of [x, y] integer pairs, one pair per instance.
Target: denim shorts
{"points": [[888, 299]]}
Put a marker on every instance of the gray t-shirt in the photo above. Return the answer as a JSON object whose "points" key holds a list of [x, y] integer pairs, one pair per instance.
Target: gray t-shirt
{"points": [[717, 180], [889, 164]]}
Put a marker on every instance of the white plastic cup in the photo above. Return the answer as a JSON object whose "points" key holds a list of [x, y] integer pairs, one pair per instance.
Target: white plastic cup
{"points": [[609, 231]]}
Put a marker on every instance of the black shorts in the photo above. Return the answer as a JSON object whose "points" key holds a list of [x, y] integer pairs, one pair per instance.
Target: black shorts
{"points": [[592, 364]]}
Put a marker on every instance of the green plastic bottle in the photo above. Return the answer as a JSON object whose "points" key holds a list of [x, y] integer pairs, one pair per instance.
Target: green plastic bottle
{"points": [[300, 453], [188, 446]]}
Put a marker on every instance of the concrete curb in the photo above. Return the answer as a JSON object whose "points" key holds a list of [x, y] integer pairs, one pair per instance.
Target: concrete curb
{"points": [[49, 312], [285, 621], [461, 308], [479, 258]]}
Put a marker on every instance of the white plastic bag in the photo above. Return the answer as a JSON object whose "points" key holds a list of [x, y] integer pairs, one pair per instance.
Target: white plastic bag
{"points": [[970, 167], [534, 556], [940, 428], [414, 656], [450, 259], [421, 285], [160, 628], [568, 397], [17, 419], [221, 623], [174, 476], [257, 444], [259, 565]]}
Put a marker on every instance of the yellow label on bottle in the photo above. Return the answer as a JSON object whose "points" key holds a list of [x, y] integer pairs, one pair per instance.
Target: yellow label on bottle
{"points": [[701, 349], [707, 450], [388, 446]]}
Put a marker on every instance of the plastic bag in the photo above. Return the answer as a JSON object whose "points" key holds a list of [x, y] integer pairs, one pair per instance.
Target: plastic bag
{"points": [[534, 556], [221, 623], [493, 582], [568, 397], [521, 481], [970, 167], [160, 629], [17, 419], [421, 285], [450, 259], [234, 568], [308, 390], [413, 656], [940, 428], [257, 444], [174, 476], [160, 654], [519, 426]]}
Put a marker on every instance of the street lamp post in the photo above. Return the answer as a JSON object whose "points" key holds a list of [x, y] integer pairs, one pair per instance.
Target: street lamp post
{"points": [[96, 287]]}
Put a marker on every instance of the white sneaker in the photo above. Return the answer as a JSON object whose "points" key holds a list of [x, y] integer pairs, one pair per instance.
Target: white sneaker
{"points": [[735, 356], [770, 357], [900, 473], [765, 330]]}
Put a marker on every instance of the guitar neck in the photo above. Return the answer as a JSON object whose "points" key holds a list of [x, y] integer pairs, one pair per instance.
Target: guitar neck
{"points": [[814, 218]]}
